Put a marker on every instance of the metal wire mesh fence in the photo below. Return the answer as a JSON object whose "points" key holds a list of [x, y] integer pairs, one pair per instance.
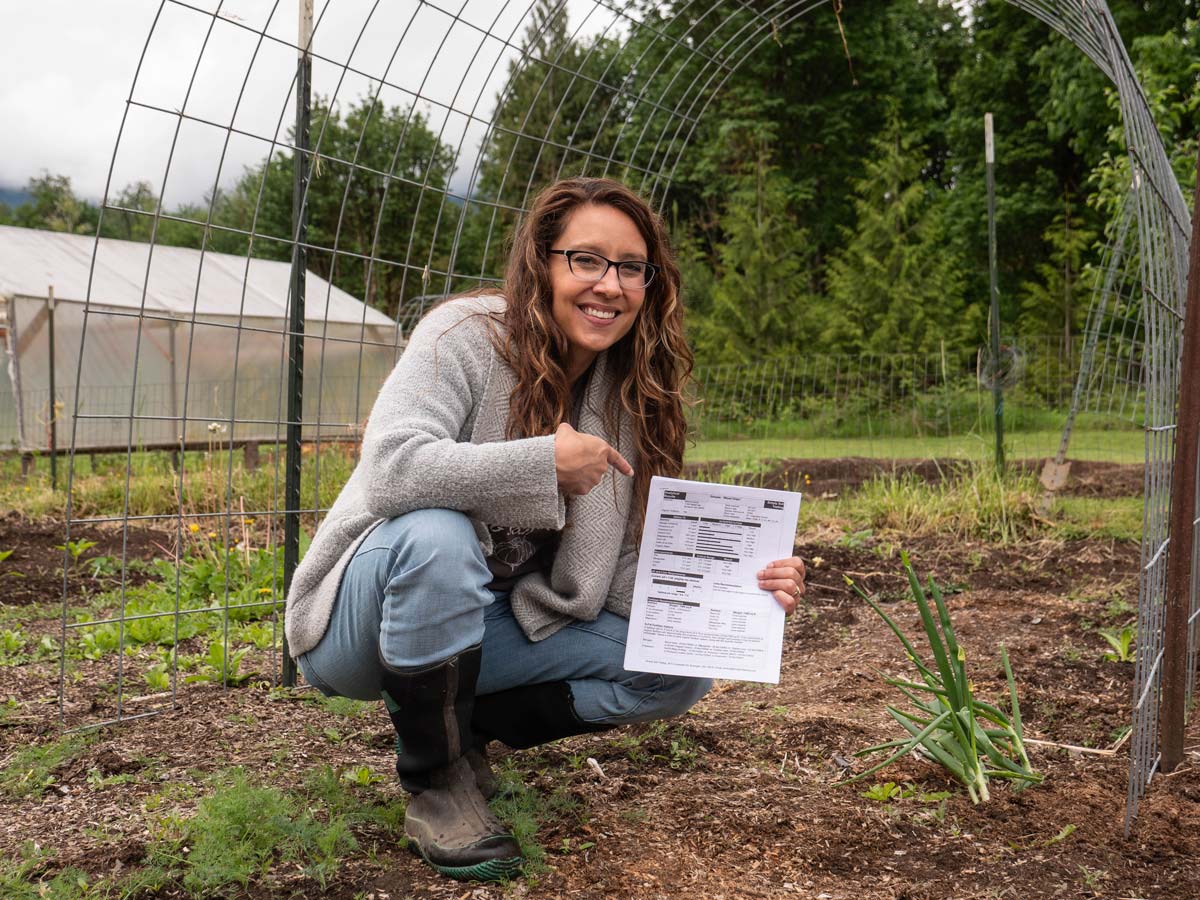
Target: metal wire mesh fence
{"points": [[398, 183], [916, 406]]}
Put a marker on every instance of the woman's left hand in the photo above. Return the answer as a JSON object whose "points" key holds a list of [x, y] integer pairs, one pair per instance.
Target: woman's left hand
{"points": [[785, 579]]}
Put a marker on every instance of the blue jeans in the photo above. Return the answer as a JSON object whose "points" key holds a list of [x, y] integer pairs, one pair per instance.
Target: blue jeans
{"points": [[416, 592]]}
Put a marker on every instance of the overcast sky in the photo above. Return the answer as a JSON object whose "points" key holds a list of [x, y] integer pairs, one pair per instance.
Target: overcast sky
{"points": [[67, 67]]}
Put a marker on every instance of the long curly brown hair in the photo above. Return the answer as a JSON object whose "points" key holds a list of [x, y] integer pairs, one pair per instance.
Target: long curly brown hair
{"points": [[650, 365]]}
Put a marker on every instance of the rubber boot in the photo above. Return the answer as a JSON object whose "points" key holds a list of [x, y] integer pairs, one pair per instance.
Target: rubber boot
{"points": [[447, 821], [485, 778], [530, 715]]}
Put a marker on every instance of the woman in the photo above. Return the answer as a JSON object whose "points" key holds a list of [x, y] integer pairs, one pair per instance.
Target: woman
{"points": [[476, 569]]}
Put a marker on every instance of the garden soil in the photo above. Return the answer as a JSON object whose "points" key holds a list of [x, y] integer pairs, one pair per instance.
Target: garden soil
{"points": [[739, 799]]}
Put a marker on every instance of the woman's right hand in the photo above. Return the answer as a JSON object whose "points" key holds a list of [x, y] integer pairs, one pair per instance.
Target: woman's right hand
{"points": [[580, 460]]}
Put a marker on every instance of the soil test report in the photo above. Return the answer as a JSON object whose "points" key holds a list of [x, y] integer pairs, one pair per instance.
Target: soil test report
{"points": [[697, 608]]}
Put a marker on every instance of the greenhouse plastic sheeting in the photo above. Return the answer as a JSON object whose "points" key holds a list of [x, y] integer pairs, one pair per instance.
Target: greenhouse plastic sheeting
{"points": [[180, 345]]}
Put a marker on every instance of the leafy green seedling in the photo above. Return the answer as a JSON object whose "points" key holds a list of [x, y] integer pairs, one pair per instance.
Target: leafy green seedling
{"points": [[47, 647], [883, 793], [157, 678], [261, 635], [11, 643], [102, 566], [361, 776], [854, 540], [96, 643], [76, 549], [1121, 643], [219, 668], [12, 647]]}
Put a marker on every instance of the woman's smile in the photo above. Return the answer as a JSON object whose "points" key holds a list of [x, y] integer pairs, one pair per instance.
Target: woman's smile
{"points": [[594, 315], [598, 312]]}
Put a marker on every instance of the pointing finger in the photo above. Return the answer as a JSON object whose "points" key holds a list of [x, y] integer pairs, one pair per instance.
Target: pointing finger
{"points": [[617, 460]]}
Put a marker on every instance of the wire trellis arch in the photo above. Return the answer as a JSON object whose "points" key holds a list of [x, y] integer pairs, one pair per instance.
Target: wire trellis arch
{"points": [[627, 105]]}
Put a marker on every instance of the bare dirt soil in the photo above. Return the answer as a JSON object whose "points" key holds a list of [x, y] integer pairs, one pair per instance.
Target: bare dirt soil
{"points": [[831, 477], [34, 572], [737, 799]]}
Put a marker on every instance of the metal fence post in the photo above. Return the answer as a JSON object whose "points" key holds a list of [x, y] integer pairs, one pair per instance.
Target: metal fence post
{"points": [[1173, 713], [993, 278], [53, 393], [300, 162]]}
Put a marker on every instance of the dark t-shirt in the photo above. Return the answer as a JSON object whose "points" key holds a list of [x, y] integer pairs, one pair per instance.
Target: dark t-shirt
{"points": [[519, 551]]}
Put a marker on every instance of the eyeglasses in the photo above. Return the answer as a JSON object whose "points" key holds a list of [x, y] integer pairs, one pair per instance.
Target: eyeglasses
{"points": [[588, 266]]}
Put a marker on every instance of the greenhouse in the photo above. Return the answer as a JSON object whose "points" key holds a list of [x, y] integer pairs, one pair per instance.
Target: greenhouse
{"points": [[182, 346]]}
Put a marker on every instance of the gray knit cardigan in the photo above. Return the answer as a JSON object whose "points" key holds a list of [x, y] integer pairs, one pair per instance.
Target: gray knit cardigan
{"points": [[436, 439]]}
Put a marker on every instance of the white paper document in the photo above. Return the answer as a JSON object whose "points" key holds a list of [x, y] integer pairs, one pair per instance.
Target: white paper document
{"points": [[697, 608]]}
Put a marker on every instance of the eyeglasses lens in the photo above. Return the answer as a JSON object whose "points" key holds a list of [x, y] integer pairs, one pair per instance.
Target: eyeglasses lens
{"points": [[593, 268]]}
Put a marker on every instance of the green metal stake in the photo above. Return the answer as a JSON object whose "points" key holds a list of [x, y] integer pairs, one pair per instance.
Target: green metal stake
{"points": [[53, 394], [997, 387], [300, 161]]}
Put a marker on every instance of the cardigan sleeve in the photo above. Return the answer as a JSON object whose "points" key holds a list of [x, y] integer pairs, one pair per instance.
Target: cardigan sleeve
{"points": [[414, 453]]}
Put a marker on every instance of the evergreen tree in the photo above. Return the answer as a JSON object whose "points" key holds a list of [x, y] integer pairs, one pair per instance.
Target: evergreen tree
{"points": [[757, 307], [894, 287], [557, 115], [1055, 304], [820, 111]]}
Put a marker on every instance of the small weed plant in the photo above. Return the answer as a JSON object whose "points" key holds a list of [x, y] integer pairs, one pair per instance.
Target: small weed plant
{"points": [[661, 742], [242, 832], [76, 549], [525, 810], [12, 642], [973, 740], [31, 771], [219, 667], [242, 828], [15, 649], [749, 471], [1121, 641]]}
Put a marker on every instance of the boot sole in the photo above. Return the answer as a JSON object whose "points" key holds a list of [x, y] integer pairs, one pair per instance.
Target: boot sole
{"points": [[489, 870]]}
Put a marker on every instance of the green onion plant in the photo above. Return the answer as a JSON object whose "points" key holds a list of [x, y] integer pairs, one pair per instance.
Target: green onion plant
{"points": [[975, 741]]}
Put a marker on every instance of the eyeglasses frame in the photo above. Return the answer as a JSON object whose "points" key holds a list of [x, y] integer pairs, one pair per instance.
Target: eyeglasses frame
{"points": [[609, 263]]}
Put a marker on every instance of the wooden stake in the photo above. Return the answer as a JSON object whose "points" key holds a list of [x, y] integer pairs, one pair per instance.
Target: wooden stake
{"points": [[1173, 712]]}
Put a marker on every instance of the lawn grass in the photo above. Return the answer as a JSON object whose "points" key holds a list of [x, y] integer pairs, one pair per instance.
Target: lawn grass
{"points": [[1124, 446]]}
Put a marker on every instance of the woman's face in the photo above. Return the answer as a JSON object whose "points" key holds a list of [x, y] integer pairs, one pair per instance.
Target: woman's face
{"points": [[594, 315]]}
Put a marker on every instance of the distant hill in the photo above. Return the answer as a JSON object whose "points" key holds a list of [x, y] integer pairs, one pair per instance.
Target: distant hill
{"points": [[13, 196]]}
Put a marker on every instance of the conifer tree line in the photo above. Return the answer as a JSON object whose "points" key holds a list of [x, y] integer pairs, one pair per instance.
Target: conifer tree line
{"points": [[830, 198]]}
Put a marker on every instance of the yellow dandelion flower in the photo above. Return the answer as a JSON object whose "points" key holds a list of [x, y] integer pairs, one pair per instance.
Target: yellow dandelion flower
{"points": [[212, 535], [264, 590], [193, 528]]}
